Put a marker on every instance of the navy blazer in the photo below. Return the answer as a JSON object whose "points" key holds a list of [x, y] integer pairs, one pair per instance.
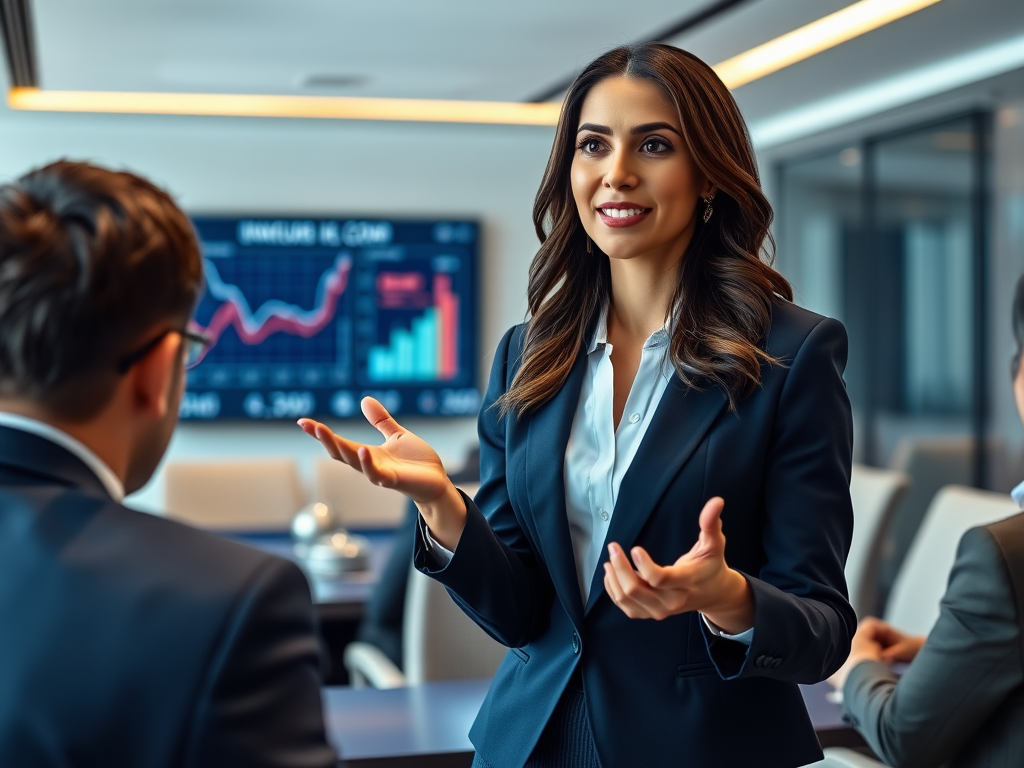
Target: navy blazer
{"points": [[668, 692], [130, 640]]}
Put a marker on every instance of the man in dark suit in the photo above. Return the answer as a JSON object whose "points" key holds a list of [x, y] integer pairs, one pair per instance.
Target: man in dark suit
{"points": [[125, 639], [961, 702]]}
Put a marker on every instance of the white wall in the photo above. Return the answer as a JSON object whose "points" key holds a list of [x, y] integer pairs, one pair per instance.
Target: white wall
{"points": [[224, 165]]}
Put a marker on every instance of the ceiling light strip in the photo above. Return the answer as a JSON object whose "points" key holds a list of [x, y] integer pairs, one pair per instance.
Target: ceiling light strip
{"points": [[878, 97], [324, 107], [818, 36]]}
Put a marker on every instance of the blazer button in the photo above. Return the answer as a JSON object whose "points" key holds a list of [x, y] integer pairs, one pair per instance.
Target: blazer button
{"points": [[575, 643], [776, 663], [759, 661]]}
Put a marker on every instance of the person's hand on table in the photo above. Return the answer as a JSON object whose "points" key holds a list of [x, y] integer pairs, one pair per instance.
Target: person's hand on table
{"points": [[403, 462], [700, 580], [875, 640]]}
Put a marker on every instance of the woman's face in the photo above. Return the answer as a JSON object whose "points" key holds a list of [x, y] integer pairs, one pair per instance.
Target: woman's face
{"points": [[635, 184]]}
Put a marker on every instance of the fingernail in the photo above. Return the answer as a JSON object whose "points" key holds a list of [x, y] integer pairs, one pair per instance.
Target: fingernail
{"points": [[635, 552]]}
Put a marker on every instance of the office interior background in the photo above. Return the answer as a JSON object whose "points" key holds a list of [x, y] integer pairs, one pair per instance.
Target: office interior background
{"points": [[895, 162]]}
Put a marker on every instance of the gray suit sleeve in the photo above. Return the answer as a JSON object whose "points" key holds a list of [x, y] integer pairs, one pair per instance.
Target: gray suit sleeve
{"points": [[969, 664]]}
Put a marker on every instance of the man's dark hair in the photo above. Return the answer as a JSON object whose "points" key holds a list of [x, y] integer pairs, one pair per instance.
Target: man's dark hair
{"points": [[92, 261]]}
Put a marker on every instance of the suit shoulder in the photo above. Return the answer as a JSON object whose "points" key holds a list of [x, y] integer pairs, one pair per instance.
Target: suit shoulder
{"points": [[791, 325], [169, 550], [1008, 539]]}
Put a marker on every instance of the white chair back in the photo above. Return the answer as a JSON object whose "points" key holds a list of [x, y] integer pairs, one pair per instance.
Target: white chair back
{"points": [[914, 603], [358, 502], [251, 495], [439, 642], [876, 494]]}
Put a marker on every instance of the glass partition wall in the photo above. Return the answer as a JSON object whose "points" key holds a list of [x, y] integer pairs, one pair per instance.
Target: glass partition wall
{"points": [[888, 236]]}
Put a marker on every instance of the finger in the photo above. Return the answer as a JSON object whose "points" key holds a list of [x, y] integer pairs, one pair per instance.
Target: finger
{"points": [[650, 571], [338, 447], [618, 596], [611, 584], [308, 426], [374, 473], [379, 417], [633, 587]]}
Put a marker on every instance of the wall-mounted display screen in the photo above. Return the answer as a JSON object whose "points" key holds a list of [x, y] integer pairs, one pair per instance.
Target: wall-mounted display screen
{"points": [[309, 315]]}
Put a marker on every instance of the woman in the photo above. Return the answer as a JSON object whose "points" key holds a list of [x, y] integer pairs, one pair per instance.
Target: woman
{"points": [[663, 366]]}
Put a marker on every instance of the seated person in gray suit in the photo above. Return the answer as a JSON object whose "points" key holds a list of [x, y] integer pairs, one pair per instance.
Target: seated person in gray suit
{"points": [[961, 701], [125, 639]]}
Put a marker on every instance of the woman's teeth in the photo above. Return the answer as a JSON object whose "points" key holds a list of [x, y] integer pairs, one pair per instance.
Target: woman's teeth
{"points": [[621, 213]]}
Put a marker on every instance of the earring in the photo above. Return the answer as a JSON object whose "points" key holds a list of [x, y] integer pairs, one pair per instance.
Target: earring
{"points": [[708, 209], [588, 245]]}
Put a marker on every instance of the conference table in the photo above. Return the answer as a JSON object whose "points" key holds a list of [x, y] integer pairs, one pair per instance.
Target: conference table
{"points": [[427, 726], [340, 597]]}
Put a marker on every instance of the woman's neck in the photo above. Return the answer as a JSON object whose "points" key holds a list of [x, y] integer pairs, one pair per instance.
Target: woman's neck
{"points": [[641, 296]]}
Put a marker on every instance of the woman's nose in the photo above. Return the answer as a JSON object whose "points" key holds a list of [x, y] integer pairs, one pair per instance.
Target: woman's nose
{"points": [[619, 173]]}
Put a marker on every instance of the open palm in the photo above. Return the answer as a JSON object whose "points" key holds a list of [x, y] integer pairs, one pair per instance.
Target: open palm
{"points": [[403, 461]]}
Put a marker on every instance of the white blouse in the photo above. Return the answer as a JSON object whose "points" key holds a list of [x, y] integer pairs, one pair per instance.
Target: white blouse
{"points": [[599, 454]]}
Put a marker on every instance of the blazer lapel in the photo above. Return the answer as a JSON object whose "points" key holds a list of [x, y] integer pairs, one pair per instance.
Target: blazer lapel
{"points": [[683, 418], [547, 438]]}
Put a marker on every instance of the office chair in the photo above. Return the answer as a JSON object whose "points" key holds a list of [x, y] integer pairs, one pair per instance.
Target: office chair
{"points": [[248, 495], [356, 502], [876, 495], [914, 603], [931, 463], [439, 642]]}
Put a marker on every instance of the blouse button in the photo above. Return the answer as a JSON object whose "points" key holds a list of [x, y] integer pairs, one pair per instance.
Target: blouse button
{"points": [[634, 418], [604, 514]]}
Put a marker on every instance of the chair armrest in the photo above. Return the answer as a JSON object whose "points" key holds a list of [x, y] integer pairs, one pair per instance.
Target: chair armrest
{"points": [[840, 757], [367, 664]]}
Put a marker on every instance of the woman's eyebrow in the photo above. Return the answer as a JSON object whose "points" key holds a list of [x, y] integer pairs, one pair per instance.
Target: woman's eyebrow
{"points": [[647, 127]]}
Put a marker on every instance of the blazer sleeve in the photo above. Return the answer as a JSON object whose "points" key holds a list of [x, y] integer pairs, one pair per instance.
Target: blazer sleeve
{"points": [[970, 663], [803, 622], [262, 707], [494, 574]]}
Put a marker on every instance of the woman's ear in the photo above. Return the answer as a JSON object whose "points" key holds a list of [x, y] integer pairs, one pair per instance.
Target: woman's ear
{"points": [[152, 376]]}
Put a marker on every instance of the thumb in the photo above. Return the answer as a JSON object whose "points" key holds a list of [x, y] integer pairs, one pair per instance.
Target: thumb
{"points": [[711, 517], [379, 417]]}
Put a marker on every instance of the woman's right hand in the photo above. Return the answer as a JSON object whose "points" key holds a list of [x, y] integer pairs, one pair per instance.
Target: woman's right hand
{"points": [[403, 462]]}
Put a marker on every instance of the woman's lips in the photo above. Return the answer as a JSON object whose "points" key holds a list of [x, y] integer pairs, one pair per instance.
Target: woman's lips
{"points": [[622, 217]]}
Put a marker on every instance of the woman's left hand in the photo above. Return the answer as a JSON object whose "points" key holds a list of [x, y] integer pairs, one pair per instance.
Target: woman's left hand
{"points": [[700, 580]]}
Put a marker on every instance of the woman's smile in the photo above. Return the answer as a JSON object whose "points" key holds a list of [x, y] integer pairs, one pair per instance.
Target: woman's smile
{"points": [[622, 214]]}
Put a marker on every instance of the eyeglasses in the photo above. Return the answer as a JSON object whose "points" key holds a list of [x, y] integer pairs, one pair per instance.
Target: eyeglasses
{"points": [[196, 346]]}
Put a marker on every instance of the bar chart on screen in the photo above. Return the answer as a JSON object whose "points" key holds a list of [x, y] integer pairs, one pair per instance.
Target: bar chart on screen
{"points": [[428, 348]]}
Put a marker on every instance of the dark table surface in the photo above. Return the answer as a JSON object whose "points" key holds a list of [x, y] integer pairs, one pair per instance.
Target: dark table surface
{"points": [[427, 726]]}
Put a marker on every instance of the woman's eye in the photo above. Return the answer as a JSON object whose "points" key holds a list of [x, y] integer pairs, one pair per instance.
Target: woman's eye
{"points": [[655, 146], [590, 146]]}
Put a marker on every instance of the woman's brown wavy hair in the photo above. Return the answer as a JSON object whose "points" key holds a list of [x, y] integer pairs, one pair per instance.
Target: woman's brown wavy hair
{"points": [[723, 303]]}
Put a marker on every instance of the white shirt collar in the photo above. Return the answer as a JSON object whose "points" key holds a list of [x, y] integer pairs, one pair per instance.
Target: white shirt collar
{"points": [[600, 338], [111, 482]]}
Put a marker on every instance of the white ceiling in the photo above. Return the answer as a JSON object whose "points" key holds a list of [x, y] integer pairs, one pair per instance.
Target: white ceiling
{"points": [[466, 49]]}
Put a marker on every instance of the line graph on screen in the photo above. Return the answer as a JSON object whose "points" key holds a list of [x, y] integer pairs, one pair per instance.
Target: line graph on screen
{"points": [[273, 316]]}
